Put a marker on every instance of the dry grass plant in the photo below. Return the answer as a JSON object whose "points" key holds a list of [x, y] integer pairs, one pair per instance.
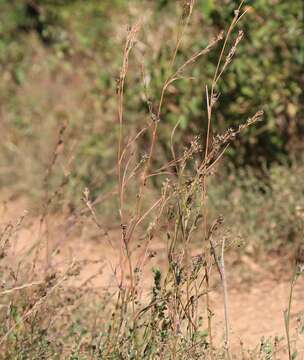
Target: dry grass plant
{"points": [[171, 323]]}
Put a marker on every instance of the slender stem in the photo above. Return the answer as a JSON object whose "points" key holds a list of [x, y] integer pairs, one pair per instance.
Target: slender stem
{"points": [[287, 312], [225, 293], [210, 103]]}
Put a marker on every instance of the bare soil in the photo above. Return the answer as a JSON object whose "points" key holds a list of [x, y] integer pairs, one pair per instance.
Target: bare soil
{"points": [[257, 296]]}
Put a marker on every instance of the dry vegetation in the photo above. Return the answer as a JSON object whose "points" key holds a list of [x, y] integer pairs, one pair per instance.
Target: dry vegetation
{"points": [[132, 273]]}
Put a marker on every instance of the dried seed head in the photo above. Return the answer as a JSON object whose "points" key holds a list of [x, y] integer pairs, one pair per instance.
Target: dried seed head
{"points": [[187, 8], [214, 98], [152, 110], [216, 224], [258, 116], [233, 49], [300, 258]]}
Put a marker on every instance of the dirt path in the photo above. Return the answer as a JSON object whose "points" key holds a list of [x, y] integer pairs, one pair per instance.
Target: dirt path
{"points": [[255, 309], [258, 312]]}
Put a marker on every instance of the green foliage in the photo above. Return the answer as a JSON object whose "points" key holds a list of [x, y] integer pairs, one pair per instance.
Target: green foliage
{"points": [[266, 72]]}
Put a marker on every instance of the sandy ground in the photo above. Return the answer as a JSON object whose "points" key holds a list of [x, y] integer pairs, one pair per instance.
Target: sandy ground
{"points": [[255, 307]]}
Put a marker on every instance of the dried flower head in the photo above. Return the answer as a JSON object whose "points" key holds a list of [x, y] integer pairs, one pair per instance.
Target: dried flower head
{"points": [[300, 258], [187, 9]]}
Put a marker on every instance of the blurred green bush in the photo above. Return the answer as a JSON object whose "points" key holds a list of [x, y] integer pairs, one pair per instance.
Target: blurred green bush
{"points": [[267, 72]]}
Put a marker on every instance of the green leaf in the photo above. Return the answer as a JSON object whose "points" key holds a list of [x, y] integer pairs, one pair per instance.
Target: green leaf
{"points": [[206, 7]]}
